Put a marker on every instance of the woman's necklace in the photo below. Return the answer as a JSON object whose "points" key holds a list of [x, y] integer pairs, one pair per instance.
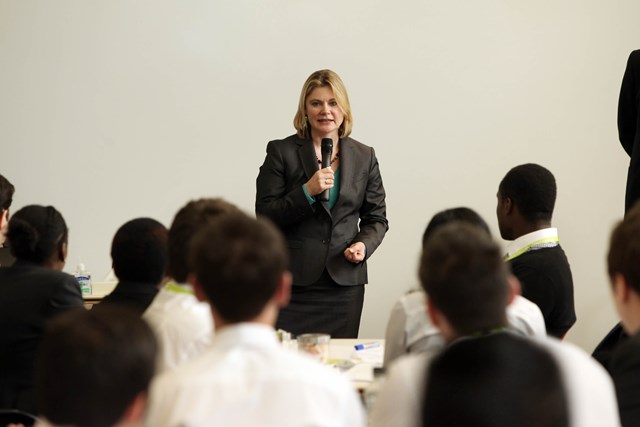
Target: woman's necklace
{"points": [[332, 160]]}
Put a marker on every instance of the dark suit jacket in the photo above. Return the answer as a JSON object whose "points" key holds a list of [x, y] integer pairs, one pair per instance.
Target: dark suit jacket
{"points": [[629, 125], [317, 236], [29, 296], [135, 295], [625, 371]]}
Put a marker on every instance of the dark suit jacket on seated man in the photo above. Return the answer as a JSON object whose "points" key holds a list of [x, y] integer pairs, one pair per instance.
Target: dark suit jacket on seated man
{"points": [[526, 198]]}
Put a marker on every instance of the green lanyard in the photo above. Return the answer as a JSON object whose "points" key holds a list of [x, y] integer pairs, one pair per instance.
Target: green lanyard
{"points": [[553, 239], [173, 287]]}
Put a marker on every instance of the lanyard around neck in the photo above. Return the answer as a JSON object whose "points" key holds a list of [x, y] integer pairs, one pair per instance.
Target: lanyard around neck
{"points": [[544, 242]]}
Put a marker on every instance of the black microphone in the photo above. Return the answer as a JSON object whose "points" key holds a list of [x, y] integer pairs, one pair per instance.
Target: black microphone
{"points": [[326, 147]]}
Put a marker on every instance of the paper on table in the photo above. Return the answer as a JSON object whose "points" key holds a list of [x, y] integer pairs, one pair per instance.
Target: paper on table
{"points": [[373, 356]]}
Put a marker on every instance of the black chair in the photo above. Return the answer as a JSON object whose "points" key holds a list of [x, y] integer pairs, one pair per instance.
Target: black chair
{"points": [[14, 416]]}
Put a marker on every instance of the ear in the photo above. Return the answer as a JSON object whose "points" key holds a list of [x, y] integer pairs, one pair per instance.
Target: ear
{"points": [[135, 411], [4, 218], [62, 252], [440, 321], [432, 312], [514, 288], [283, 291], [197, 287], [507, 205]]}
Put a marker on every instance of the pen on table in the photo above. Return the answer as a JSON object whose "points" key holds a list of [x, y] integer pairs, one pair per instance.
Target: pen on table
{"points": [[366, 346]]}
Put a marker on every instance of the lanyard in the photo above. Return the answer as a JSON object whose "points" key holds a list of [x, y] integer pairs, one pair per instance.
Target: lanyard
{"points": [[543, 241], [175, 288]]}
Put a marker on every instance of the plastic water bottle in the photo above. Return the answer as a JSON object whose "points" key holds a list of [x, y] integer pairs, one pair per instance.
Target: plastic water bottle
{"points": [[84, 279]]}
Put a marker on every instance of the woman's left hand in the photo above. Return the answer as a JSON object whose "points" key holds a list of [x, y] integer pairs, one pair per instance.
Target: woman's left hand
{"points": [[355, 253]]}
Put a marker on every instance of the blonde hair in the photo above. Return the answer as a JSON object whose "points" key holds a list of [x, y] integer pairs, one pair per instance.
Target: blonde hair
{"points": [[324, 78]]}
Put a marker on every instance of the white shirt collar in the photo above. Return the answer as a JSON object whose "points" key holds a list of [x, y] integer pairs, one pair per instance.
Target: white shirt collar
{"points": [[246, 333], [529, 239]]}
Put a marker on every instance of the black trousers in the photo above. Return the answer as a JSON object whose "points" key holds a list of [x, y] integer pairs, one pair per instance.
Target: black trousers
{"points": [[323, 307]]}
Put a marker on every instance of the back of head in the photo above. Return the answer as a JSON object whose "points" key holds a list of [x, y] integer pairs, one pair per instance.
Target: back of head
{"points": [[6, 193], [497, 380], [461, 214], [92, 365], [139, 251], [194, 216], [36, 233], [463, 273], [532, 188], [239, 262], [624, 249]]}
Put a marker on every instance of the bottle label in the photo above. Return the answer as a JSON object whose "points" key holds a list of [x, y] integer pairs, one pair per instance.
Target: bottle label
{"points": [[84, 281]]}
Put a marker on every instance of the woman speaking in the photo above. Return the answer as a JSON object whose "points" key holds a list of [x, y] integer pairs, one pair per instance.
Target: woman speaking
{"points": [[329, 240]]}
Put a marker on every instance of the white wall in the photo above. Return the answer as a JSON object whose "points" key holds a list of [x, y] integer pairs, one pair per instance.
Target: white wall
{"points": [[115, 109]]}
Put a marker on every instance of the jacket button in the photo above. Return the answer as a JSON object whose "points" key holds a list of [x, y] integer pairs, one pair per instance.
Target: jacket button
{"points": [[325, 242]]}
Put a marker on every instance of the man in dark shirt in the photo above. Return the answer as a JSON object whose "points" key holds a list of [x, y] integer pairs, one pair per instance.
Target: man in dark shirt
{"points": [[140, 254], [526, 198]]}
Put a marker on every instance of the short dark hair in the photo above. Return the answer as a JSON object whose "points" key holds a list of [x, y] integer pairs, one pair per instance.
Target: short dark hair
{"points": [[36, 233], [446, 216], [6, 193], [92, 364], [191, 218], [139, 251], [532, 188], [496, 380], [463, 274], [624, 249], [239, 262]]}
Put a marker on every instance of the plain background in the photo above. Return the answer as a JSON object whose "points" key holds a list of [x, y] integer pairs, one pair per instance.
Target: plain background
{"points": [[114, 109]]}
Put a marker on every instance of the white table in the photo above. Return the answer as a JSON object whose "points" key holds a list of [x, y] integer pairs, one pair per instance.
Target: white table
{"points": [[364, 361]]}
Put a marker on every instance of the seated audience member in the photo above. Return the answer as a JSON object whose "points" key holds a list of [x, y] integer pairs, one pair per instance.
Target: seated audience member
{"points": [[32, 291], [183, 324], [94, 369], [6, 197], [496, 380], [624, 271], [526, 197], [409, 329], [139, 255], [466, 280], [246, 378]]}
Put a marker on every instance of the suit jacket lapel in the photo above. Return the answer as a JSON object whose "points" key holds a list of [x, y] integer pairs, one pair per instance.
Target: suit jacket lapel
{"points": [[347, 163], [307, 157]]}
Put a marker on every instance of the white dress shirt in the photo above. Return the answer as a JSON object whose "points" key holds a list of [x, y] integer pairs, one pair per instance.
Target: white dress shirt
{"points": [[589, 389], [246, 378], [410, 330], [182, 324]]}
